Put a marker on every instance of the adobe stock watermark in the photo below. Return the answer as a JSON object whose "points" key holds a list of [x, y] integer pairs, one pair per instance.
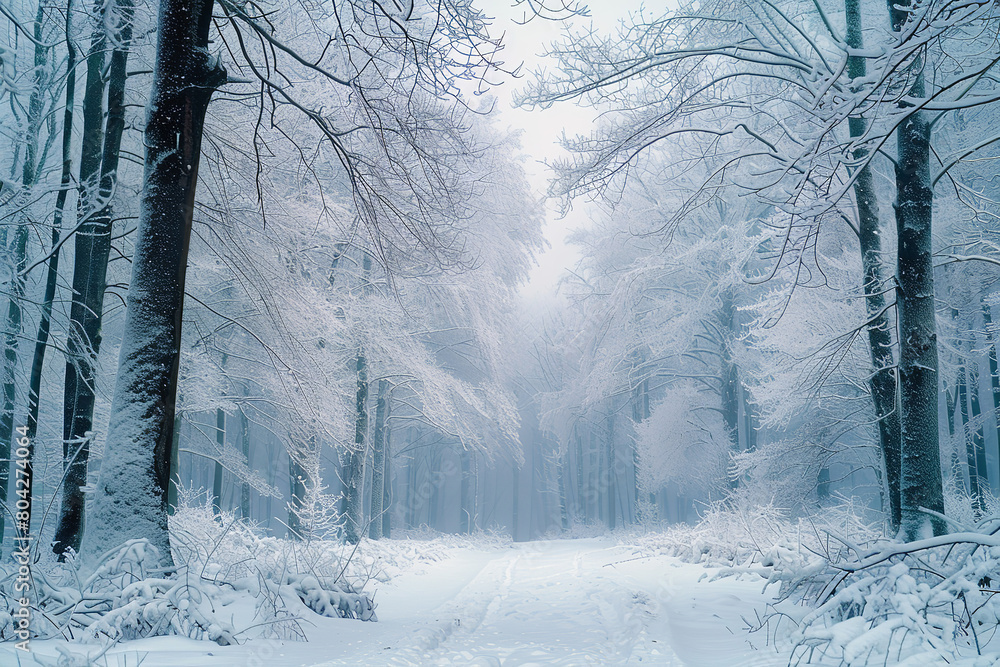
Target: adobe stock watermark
{"points": [[22, 554]]}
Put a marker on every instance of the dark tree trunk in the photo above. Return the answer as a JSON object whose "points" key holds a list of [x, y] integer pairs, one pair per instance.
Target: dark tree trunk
{"points": [[132, 495], [920, 464], [387, 486], [977, 439], [52, 273], [729, 377], [882, 383], [466, 510], [563, 471], [353, 521], [297, 528], [640, 412], [994, 373], [581, 487], [609, 479], [245, 446], [18, 254], [174, 483], [378, 460], [220, 441]]}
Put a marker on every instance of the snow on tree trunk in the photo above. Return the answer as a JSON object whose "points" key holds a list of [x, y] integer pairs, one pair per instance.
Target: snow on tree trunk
{"points": [[245, 445], [132, 494], [378, 460], [994, 372], [174, 482], [52, 274], [356, 458], [220, 441], [729, 377], [466, 510], [387, 484], [609, 478], [298, 527], [977, 440], [920, 462], [18, 255], [90, 267], [882, 383]]}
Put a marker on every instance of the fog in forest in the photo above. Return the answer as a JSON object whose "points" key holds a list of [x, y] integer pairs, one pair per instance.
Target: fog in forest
{"points": [[487, 332]]}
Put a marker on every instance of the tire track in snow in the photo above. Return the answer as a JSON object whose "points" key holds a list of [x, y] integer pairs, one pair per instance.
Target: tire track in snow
{"points": [[549, 609]]}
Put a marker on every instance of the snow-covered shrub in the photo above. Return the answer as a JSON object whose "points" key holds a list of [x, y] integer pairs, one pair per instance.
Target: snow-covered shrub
{"points": [[229, 584], [735, 532], [923, 601]]}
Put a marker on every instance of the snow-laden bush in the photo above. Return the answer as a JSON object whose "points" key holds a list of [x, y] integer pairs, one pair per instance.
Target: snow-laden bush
{"points": [[229, 584], [734, 532], [849, 596], [923, 601]]}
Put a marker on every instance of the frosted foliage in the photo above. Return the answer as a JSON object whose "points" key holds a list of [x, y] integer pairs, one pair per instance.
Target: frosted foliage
{"points": [[230, 585], [683, 442]]}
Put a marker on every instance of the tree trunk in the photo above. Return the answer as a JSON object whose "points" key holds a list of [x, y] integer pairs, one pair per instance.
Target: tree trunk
{"points": [[356, 458], [977, 440], [220, 440], [378, 461], [729, 378], [563, 464], [920, 464], [52, 274], [387, 485], [18, 254], [516, 506], [174, 483], [466, 509], [920, 478], [98, 174], [245, 446], [132, 496], [882, 383], [609, 479], [298, 529], [994, 373]]}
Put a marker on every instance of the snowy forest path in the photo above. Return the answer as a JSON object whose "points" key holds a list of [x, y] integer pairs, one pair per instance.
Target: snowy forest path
{"points": [[576, 602], [581, 602]]}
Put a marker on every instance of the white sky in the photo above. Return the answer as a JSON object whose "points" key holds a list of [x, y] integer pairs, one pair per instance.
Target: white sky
{"points": [[524, 43]]}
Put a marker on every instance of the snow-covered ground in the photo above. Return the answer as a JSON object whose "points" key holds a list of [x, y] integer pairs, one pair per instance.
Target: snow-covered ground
{"points": [[561, 602]]}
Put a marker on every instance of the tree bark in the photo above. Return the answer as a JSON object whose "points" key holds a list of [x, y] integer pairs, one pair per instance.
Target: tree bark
{"points": [[18, 254], [220, 441], [977, 439], [52, 273], [609, 479], [994, 372], [729, 378], [465, 490], [245, 446], [132, 496], [920, 464], [174, 483], [297, 528], [353, 519], [387, 485], [882, 383], [378, 460]]}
